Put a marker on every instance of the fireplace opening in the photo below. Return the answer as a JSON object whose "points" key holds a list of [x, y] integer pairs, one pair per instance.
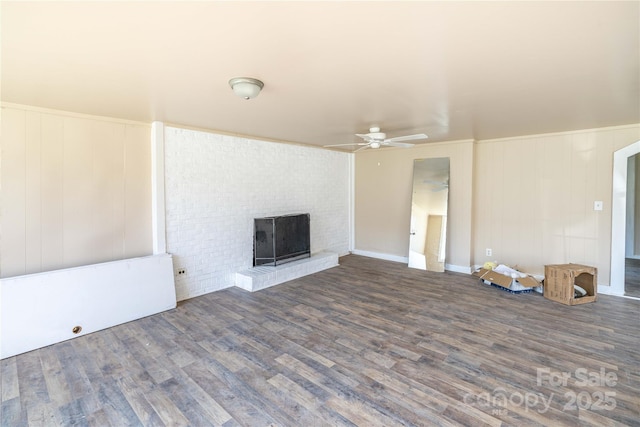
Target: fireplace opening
{"points": [[281, 239]]}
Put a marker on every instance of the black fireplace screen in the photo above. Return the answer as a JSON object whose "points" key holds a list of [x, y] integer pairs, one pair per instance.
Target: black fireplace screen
{"points": [[281, 239]]}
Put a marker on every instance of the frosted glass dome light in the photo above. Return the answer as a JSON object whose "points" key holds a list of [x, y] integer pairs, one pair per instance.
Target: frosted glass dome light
{"points": [[246, 87]]}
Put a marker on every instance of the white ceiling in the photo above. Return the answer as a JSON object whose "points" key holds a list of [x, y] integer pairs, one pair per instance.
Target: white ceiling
{"points": [[452, 70]]}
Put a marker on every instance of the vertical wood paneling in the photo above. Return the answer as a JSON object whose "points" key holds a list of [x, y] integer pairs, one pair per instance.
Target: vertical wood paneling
{"points": [[108, 182], [137, 191], [591, 216], [481, 206], [495, 193], [78, 223], [75, 191], [574, 216], [528, 213], [33, 192], [512, 211], [554, 180], [537, 239], [52, 195], [12, 257], [605, 147]]}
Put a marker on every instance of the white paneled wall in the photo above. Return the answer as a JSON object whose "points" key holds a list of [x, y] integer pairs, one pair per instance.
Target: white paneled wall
{"points": [[76, 190], [217, 184], [534, 195]]}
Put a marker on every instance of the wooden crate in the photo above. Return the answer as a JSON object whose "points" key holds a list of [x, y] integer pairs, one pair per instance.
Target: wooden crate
{"points": [[560, 278]]}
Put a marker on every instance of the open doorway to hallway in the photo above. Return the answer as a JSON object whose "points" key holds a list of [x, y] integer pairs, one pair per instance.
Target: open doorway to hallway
{"points": [[632, 228]]}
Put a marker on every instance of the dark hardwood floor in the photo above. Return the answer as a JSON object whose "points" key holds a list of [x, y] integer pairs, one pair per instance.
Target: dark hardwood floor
{"points": [[368, 343]]}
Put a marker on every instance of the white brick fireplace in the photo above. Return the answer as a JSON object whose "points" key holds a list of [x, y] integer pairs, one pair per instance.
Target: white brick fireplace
{"points": [[215, 186]]}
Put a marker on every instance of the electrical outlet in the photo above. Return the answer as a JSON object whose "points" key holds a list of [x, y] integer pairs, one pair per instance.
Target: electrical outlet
{"points": [[181, 272], [489, 252]]}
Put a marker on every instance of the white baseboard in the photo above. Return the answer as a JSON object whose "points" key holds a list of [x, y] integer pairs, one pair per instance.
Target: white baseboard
{"points": [[379, 255], [405, 260], [458, 268], [606, 290]]}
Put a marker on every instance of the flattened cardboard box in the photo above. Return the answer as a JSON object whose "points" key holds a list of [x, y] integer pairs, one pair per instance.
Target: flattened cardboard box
{"points": [[504, 280]]}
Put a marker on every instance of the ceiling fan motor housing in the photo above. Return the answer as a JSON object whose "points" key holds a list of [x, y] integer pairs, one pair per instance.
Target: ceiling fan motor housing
{"points": [[378, 136]]}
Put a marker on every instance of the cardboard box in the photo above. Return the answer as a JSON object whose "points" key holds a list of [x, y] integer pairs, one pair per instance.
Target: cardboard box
{"points": [[560, 278], [507, 282]]}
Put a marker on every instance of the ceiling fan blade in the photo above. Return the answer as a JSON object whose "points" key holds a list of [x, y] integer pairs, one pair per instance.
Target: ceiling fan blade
{"points": [[344, 145], [364, 136], [363, 148], [408, 137], [398, 144]]}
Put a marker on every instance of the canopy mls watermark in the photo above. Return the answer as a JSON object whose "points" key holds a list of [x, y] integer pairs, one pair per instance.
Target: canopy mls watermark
{"points": [[591, 390]]}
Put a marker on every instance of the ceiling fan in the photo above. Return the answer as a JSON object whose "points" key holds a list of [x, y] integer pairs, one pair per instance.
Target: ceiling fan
{"points": [[377, 139]]}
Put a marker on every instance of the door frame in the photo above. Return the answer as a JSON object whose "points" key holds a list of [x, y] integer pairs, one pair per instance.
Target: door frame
{"points": [[618, 219]]}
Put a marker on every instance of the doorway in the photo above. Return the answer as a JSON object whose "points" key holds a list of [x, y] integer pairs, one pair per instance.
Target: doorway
{"points": [[632, 229], [622, 231]]}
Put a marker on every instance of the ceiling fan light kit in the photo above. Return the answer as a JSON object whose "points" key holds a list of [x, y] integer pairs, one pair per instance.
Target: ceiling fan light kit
{"points": [[377, 139], [246, 87]]}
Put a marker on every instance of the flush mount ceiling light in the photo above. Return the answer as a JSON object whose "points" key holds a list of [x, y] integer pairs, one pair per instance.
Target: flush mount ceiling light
{"points": [[246, 87]]}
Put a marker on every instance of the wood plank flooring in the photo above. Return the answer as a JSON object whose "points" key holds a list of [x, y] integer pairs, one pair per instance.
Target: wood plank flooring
{"points": [[368, 343]]}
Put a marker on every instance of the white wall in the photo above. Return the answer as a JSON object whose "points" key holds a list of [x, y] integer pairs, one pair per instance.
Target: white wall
{"points": [[534, 197], [76, 190], [216, 185], [383, 190]]}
